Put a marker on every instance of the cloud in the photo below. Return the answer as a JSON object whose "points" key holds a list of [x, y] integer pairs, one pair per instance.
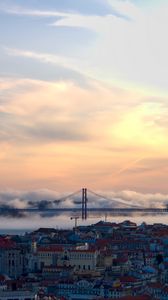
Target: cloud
{"points": [[134, 52], [125, 48], [80, 7], [56, 111], [93, 23], [10, 212], [45, 67], [59, 130], [43, 57], [147, 200], [146, 164], [43, 132], [157, 162], [12, 200], [130, 165], [47, 120], [85, 98]]}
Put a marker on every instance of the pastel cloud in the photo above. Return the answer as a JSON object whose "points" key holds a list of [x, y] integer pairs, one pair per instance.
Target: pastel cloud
{"points": [[129, 52], [54, 131], [63, 8], [134, 51], [77, 114]]}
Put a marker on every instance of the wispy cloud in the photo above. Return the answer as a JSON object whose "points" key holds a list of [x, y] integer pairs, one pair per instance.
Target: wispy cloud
{"points": [[20, 10], [125, 47], [130, 165], [43, 57], [16, 10], [112, 63], [66, 68]]}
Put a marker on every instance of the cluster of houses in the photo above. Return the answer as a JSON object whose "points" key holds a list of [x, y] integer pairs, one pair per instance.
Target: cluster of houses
{"points": [[100, 261]]}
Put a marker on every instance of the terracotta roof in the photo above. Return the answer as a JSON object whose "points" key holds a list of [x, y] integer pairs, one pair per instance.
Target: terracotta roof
{"points": [[143, 297], [6, 243], [156, 285], [84, 251], [50, 249], [121, 260], [128, 279], [2, 278]]}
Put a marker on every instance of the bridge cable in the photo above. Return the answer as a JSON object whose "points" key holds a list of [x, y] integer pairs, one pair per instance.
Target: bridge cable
{"points": [[110, 199]]}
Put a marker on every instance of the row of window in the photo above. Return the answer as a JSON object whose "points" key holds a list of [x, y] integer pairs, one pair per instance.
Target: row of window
{"points": [[73, 256], [84, 267]]}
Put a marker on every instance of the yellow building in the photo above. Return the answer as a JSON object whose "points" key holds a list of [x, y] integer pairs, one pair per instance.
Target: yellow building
{"points": [[80, 259]]}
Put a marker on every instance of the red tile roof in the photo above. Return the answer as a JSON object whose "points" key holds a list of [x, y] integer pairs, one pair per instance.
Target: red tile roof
{"points": [[126, 279], [156, 285], [143, 297], [50, 249], [6, 243]]}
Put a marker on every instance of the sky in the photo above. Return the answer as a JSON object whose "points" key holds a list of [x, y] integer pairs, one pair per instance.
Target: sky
{"points": [[84, 96]]}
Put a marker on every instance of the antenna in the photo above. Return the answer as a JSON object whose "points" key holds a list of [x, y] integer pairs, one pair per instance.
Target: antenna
{"points": [[76, 220]]}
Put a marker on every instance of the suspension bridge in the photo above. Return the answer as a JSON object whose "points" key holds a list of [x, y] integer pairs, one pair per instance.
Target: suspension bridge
{"points": [[83, 205]]}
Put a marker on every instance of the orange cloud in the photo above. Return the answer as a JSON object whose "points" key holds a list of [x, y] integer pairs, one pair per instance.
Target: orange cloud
{"points": [[59, 135]]}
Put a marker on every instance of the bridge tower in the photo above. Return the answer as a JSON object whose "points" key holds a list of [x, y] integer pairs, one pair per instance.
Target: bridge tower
{"points": [[84, 204]]}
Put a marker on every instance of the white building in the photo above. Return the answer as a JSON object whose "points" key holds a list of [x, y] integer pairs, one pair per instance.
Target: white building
{"points": [[81, 259], [19, 295]]}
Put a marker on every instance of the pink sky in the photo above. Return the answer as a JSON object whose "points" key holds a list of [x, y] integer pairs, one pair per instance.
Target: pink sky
{"points": [[84, 97]]}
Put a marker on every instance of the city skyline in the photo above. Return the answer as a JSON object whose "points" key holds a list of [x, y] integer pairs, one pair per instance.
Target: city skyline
{"points": [[84, 95]]}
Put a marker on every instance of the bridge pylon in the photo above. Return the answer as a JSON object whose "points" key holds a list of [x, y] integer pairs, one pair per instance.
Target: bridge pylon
{"points": [[84, 204]]}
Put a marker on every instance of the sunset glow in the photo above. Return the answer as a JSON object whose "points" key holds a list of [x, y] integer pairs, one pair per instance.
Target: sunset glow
{"points": [[84, 95]]}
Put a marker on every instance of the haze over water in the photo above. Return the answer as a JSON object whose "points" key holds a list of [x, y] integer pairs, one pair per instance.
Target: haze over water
{"points": [[15, 226]]}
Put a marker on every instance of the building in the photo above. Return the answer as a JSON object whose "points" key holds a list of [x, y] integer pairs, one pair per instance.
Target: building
{"points": [[11, 258], [19, 295]]}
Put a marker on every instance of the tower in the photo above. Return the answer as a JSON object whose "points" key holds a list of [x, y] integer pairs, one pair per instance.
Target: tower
{"points": [[84, 204]]}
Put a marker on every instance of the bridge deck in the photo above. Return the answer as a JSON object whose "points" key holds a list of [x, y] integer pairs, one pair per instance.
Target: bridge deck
{"points": [[91, 209]]}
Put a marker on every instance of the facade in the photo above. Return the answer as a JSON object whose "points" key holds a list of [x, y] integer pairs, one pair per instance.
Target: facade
{"points": [[12, 261], [48, 256], [17, 295], [80, 259]]}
